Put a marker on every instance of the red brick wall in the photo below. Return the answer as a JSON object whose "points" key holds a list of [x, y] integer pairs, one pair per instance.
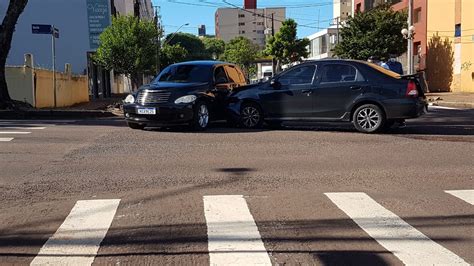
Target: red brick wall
{"points": [[250, 4]]}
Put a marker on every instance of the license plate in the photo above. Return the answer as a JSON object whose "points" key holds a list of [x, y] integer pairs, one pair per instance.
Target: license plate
{"points": [[146, 111]]}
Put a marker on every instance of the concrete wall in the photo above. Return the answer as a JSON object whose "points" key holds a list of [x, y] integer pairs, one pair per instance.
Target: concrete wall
{"points": [[467, 46], [35, 86]]}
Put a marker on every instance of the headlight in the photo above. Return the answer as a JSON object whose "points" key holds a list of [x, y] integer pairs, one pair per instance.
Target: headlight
{"points": [[185, 99], [129, 99]]}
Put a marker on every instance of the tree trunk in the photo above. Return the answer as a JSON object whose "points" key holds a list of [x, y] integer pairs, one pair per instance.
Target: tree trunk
{"points": [[15, 8]]}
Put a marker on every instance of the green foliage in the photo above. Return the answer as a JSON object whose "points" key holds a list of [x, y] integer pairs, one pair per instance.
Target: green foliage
{"points": [[191, 43], [128, 46], [373, 33], [171, 54], [214, 47], [241, 51], [285, 46]]}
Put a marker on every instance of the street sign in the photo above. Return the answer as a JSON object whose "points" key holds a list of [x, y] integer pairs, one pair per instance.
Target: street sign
{"points": [[56, 33], [41, 29]]}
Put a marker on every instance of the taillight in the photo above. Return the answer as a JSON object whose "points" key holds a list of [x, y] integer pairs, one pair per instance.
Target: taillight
{"points": [[411, 89]]}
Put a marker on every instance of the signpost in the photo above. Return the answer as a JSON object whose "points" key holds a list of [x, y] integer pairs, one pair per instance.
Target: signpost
{"points": [[49, 29]]}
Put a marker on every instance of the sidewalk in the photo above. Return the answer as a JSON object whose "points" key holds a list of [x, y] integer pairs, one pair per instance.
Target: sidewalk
{"points": [[452, 99]]}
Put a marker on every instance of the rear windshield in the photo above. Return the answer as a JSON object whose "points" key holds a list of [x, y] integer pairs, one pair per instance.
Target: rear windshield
{"points": [[383, 70], [184, 74]]}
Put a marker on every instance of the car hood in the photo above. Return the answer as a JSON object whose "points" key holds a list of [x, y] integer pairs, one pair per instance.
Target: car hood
{"points": [[174, 87], [247, 87]]}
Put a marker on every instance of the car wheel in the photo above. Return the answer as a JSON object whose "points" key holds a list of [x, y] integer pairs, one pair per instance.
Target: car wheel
{"points": [[251, 116], [200, 117], [368, 118], [136, 125]]}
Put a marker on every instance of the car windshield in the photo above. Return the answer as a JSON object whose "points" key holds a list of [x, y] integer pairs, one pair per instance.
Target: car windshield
{"points": [[184, 74]]}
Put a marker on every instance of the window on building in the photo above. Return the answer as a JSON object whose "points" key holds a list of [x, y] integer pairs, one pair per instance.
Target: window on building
{"points": [[260, 31], [324, 44], [241, 15], [358, 7], [241, 23], [260, 23], [457, 30], [417, 15], [242, 32]]}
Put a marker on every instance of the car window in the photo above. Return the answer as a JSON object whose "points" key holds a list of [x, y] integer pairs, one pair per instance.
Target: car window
{"points": [[234, 75], [220, 76], [298, 76], [184, 74], [339, 73]]}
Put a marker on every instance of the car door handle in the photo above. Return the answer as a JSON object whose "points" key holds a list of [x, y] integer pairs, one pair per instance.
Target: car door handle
{"points": [[309, 91], [355, 87]]}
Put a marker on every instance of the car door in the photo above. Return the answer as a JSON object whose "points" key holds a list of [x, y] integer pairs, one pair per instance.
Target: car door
{"points": [[291, 96], [339, 84]]}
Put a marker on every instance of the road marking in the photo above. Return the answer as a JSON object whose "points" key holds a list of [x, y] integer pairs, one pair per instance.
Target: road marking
{"points": [[78, 239], [14, 132], [233, 237], [23, 128], [466, 195], [5, 139], [410, 245]]}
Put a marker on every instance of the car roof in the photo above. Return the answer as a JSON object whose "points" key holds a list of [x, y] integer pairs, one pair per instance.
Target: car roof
{"points": [[203, 63]]}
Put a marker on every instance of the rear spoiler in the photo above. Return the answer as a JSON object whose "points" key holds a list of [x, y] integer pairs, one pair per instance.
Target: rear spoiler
{"points": [[419, 79]]}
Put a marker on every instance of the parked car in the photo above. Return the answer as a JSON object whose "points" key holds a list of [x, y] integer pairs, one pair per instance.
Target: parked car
{"points": [[369, 96], [189, 93]]}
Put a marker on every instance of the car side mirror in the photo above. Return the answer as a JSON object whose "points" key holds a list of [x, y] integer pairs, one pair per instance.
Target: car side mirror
{"points": [[275, 84]]}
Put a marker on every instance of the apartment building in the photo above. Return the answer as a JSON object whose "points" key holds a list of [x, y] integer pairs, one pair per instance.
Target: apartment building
{"points": [[448, 19], [250, 22]]}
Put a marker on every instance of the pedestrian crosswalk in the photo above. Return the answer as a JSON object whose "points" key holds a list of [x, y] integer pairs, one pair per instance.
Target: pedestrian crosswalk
{"points": [[233, 234], [6, 129]]}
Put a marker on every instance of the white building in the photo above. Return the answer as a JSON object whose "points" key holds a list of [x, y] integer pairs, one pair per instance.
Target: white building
{"points": [[250, 22], [322, 43]]}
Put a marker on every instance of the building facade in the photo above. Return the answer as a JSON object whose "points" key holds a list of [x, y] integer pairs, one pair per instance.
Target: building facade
{"points": [[342, 9], [451, 21], [322, 43], [249, 22]]}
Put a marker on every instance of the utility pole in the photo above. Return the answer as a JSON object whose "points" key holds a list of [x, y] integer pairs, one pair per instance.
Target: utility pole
{"points": [[411, 67], [158, 39], [273, 35], [53, 52]]}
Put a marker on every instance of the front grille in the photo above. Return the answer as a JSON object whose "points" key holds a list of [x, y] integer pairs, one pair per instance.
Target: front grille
{"points": [[152, 97]]}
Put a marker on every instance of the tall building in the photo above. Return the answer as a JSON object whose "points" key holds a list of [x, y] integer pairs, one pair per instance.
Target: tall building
{"points": [[202, 30], [451, 20], [250, 22], [342, 9]]}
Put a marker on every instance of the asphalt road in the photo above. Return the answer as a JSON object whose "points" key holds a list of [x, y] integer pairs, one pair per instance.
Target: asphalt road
{"points": [[95, 191]]}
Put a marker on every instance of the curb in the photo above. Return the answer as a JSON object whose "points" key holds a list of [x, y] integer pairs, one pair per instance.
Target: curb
{"points": [[462, 105], [58, 114]]}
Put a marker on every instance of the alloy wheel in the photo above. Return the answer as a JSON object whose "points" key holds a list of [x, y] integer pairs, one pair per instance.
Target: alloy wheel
{"points": [[250, 116], [203, 116], [368, 118]]}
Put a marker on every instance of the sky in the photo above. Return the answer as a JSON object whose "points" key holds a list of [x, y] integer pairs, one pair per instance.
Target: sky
{"points": [[197, 12]]}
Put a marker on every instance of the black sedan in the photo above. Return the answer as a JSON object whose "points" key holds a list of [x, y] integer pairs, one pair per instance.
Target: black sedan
{"points": [[369, 96], [189, 93]]}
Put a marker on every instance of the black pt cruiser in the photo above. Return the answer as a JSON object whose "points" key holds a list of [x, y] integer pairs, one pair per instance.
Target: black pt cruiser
{"points": [[188, 93]]}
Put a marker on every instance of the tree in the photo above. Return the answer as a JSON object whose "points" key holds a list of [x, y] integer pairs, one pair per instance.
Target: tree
{"points": [[214, 47], [373, 33], [14, 10], [192, 44], [171, 54], [440, 60], [128, 46], [285, 47], [242, 52]]}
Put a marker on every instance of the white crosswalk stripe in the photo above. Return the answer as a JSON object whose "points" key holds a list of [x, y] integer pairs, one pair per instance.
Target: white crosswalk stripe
{"points": [[6, 139], [405, 242], [15, 132], [466, 195], [78, 239], [23, 128], [233, 237]]}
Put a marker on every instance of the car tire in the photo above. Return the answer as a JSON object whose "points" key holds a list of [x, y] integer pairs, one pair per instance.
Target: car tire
{"points": [[201, 116], [369, 118], [136, 125], [251, 116]]}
